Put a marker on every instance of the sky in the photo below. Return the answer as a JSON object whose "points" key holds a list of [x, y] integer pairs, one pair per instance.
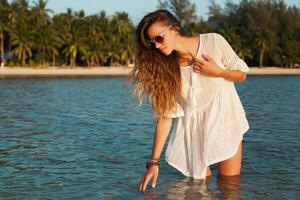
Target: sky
{"points": [[135, 8]]}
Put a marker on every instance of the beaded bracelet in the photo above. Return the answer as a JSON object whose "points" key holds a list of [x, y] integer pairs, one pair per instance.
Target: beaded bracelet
{"points": [[148, 164], [151, 164]]}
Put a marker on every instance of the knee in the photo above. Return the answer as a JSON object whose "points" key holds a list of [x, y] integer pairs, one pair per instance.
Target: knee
{"points": [[208, 171]]}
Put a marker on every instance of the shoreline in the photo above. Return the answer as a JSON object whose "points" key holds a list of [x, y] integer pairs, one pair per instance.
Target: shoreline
{"points": [[115, 71], [63, 72]]}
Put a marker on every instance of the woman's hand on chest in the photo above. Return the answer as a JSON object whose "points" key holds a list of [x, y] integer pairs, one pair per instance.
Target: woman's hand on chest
{"points": [[206, 65]]}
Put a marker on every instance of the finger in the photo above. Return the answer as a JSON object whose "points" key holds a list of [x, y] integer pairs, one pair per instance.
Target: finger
{"points": [[198, 66], [206, 57], [200, 61], [147, 179], [141, 183], [154, 181], [197, 69]]}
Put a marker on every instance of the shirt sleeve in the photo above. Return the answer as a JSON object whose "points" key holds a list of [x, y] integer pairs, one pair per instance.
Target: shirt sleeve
{"points": [[228, 56]]}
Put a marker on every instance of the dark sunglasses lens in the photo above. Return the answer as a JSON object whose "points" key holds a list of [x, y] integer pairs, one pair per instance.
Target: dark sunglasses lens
{"points": [[159, 39]]}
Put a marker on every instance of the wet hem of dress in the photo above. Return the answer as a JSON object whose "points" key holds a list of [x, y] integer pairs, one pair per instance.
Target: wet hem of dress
{"points": [[244, 130], [184, 172]]}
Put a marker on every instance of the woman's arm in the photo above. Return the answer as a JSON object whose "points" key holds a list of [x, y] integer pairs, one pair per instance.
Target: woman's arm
{"points": [[233, 75], [163, 126]]}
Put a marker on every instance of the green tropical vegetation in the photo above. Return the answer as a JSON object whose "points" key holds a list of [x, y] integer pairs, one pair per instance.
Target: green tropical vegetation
{"points": [[262, 32]]}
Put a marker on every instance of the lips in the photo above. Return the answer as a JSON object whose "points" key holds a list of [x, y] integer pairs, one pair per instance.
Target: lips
{"points": [[162, 49]]}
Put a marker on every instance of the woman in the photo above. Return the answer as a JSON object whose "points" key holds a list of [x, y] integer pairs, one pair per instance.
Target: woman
{"points": [[190, 79]]}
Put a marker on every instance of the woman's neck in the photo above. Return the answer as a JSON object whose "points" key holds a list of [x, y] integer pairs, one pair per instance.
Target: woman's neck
{"points": [[186, 48]]}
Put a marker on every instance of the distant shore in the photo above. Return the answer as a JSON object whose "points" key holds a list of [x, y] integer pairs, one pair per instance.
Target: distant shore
{"points": [[116, 71], [58, 71]]}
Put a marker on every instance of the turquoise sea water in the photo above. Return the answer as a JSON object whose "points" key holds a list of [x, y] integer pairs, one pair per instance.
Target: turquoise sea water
{"points": [[86, 138]]}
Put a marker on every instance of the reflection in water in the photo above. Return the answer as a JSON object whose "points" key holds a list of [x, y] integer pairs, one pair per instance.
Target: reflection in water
{"points": [[151, 195], [229, 186], [189, 188]]}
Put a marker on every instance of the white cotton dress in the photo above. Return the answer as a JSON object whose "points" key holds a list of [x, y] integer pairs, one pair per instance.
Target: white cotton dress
{"points": [[211, 120]]}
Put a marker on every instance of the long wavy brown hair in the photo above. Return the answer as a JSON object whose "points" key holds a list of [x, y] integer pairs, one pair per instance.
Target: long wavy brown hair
{"points": [[154, 75]]}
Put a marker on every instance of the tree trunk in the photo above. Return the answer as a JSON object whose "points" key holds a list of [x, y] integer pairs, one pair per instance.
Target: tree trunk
{"points": [[53, 59], [2, 47], [127, 62], [261, 56], [43, 58], [74, 61], [71, 61], [23, 58], [9, 50]]}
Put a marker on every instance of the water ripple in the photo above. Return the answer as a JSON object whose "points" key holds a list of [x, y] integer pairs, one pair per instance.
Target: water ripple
{"points": [[87, 138]]}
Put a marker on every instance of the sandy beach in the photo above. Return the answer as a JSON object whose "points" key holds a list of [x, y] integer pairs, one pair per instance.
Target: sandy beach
{"points": [[117, 71], [57, 71]]}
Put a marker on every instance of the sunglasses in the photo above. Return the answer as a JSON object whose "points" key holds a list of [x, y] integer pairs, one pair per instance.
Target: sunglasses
{"points": [[159, 38]]}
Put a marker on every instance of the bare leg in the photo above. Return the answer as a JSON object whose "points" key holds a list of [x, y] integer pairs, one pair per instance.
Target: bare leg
{"points": [[231, 166], [208, 172], [229, 187], [208, 175]]}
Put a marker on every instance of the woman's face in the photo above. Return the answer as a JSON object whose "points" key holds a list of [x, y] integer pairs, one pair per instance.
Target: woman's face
{"points": [[167, 33]]}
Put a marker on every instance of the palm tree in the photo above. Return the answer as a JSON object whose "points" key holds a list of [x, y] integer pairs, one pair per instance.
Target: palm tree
{"points": [[114, 50], [23, 40], [184, 10], [48, 41], [197, 27], [20, 12], [40, 13], [104, 37], [4, 8], [46, 38], [54, 43], [75, 43], [95, 52], [20, 30], [122, 40], [262, 27], [62, 24], [236, 42]]}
